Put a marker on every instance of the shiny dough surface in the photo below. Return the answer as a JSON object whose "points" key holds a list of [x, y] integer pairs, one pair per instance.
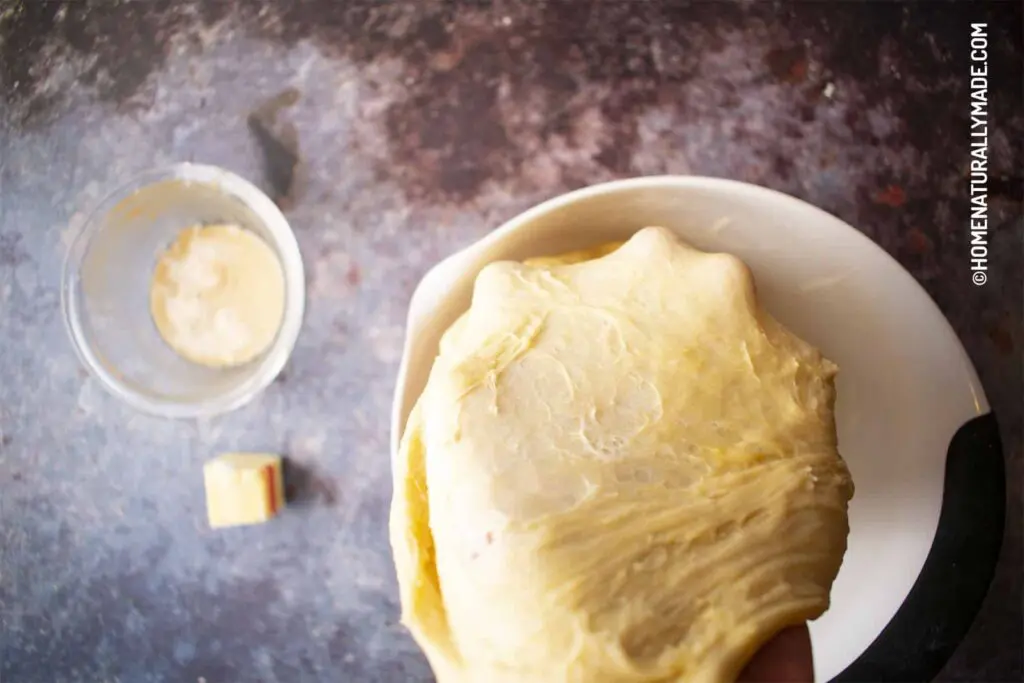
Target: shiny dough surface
{"points": [[621, 469]]}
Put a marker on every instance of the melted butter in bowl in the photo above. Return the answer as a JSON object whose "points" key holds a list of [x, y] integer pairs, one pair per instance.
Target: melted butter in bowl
{"points": [[218, 295], [182, 321]]}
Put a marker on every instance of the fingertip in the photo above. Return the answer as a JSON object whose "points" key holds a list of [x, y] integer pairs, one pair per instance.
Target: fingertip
{"points": [[786, 658]]}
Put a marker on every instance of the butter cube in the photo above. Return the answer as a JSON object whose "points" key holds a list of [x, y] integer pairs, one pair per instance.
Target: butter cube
{"points": [[243, 488]]}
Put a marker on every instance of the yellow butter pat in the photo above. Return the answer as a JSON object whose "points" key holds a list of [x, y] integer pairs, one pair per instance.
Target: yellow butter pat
{"points": [[243, 488]]}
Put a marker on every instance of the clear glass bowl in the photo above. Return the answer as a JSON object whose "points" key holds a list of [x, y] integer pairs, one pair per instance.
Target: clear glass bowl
{"points": [[106, 279]]}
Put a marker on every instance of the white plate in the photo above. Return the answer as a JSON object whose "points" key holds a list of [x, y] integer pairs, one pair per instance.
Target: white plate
{"points": [[905, 385]]}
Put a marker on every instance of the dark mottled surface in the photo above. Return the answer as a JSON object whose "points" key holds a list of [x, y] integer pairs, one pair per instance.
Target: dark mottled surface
{"points": [[394, 133]]}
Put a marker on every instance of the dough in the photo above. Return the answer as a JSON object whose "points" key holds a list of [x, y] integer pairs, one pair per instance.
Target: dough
{"points": [[619, 470], [217, 295]]}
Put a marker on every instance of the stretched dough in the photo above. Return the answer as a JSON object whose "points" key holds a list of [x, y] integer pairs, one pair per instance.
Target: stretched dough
{"points": [[620, 470]]}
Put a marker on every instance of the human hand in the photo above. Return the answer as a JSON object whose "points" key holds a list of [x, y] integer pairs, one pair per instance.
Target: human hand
{"points": [[786, 658]]}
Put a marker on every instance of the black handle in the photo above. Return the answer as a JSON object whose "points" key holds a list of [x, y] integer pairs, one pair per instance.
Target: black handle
{"points": [[937, 613]]}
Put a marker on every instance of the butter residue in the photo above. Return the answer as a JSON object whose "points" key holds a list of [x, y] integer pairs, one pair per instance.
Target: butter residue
{"points": [[621, 469], [217, 295]]}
